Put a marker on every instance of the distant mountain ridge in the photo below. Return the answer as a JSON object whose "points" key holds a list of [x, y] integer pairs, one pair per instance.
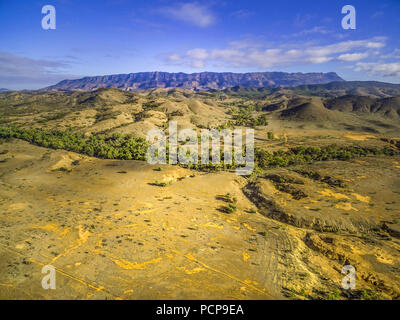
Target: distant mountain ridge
{"points": [[195, 81]]}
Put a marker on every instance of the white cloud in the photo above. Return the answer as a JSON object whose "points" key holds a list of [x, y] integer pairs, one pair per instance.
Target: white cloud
{"points": [[198, 54], [192, 13], [197, 64], [174, 57], [249, 54], [318, 60], [242, 14], [395, 54], [315, 30], [382, 69], [377, 14], [348, 57], [375, 45], [301, 19], [21, 72]]}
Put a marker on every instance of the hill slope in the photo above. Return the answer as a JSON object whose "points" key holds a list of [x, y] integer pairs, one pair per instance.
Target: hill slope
{"points": [[389, 107], [309, 111]]}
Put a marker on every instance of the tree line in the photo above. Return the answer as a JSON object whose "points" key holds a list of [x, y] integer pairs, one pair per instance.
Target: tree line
{"points": [[129, 147], [115, 146]]}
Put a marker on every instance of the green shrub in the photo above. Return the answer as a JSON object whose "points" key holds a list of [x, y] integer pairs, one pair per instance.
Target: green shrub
{"points": [[335, 295], [261, 120], [159, 184], [230, 208]]}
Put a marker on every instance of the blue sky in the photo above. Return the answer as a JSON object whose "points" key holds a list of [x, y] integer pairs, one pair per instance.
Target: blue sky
{"points": [[123, 36]]}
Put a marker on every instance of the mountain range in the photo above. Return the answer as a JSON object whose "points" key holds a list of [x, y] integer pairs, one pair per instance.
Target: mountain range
{"points": [[195, 81]]}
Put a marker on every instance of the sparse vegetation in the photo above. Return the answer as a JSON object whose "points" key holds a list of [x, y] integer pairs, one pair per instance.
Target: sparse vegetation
{"points": [[230, 208], [367, 294], [63, 169], [231, 203], [105, 114], [335, 295], [227, 198], [54, 116], [160, 184], [333, 182]]}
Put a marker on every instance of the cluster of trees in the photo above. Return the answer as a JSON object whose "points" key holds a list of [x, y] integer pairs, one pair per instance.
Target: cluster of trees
{"points": [[113, 147], [300, 155], [211, 167], [261, 120], [335, 152], [129, 147], [244, 117]]}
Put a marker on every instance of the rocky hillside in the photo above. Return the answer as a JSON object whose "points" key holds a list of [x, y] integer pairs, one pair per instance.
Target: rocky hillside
{"points": [[195, 81]]}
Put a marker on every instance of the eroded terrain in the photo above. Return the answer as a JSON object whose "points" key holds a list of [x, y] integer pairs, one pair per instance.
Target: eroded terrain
{"points": [[111, 234]]}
